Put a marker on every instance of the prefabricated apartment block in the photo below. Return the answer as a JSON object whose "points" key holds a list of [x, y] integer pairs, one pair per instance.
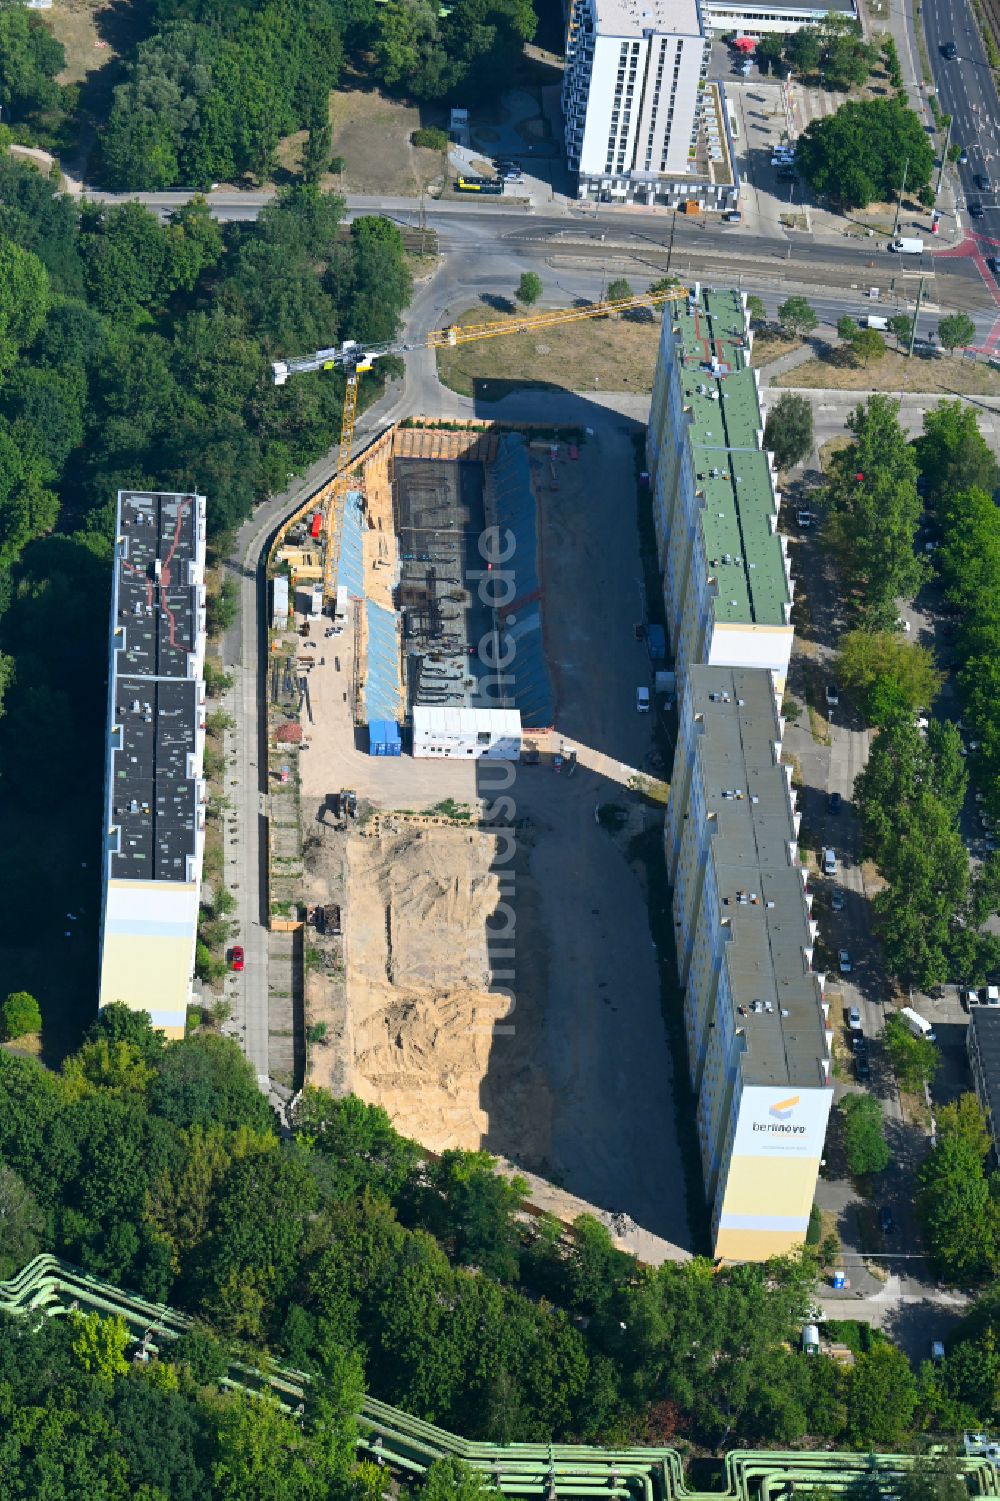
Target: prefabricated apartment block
{"points": [[757, 1024], [154, 813], [726, 578]]}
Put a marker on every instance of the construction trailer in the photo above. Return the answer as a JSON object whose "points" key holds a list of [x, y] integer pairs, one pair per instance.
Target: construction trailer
{"points": [[450, 731], [279, 603], [384, 739]]}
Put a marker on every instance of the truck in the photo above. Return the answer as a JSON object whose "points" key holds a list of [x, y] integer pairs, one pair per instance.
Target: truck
{"points": [[316, 525], [316, 602], [873, 320], [917, 1024], [656, 643], [904, 246]]}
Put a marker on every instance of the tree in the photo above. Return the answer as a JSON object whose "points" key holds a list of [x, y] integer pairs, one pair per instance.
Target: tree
{"points": [[875, 510], [206, 1079], [952, 453], [317, 151], [901, 325], [453, 1480], [864, 1142], [796, 316], [24, 296], [868, 344], [927, 875], [914, 1060], [30, 59], [855, 155], [22, 1223], [529, 288], [756, 310], [789, 430], [882, 1398], [100, 1344], [933, 1478], [21, 1015], [964, 1119], [956, 331], [959, 1213], [619, 289], [887, 674]]}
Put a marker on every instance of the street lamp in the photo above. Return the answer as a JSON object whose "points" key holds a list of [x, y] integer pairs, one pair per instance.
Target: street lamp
{"points": [[899, 201]]}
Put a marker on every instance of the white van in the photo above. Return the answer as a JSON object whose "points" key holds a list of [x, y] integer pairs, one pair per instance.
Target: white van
{"points": [[904, 246], [874, 321], [918, 1025], [829, 862]]}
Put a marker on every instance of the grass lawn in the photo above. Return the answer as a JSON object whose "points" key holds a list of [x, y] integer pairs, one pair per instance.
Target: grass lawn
{"points": [[951, 375], [769, 346], [372, 133], [607, 354], [74, 23]]}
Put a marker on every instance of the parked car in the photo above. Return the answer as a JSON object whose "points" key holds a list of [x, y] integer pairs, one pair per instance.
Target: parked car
{"points": [[854, 1019], [963, 157], [642, 700], [993, 261], [804, 517], [832, 695], [837, 900], [859, 1043], [937, 1351], [862, 1068], [833, 802], [237, 958], [844, 961], [886, 1222]]}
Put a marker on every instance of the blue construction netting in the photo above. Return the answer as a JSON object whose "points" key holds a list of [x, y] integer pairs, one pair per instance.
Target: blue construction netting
{"points": [[514, 501], [382, 675], [351, 572]]}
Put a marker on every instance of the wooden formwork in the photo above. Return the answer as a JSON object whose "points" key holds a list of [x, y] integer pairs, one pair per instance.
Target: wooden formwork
{"points": [[441, 443]]}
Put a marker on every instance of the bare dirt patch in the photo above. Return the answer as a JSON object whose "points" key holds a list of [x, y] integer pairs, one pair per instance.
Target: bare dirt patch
{"points": [[594, 354], [421, 1005], [951, 375]]}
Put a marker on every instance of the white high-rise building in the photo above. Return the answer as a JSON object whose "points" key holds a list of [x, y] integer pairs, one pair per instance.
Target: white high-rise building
{"points": [[633, 98]]}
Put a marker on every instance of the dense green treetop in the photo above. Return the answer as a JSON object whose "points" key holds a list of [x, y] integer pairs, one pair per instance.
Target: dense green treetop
{"points": [[857, 155]]}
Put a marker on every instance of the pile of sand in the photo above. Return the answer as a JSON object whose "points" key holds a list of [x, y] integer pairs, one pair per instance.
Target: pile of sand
{"points": [[421, 1001]]}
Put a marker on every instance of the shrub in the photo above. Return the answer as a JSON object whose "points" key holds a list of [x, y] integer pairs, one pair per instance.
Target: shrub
{"points": [[432, 137]]}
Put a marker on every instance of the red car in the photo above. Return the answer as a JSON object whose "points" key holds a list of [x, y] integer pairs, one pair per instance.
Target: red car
{"points": [[238, 957]]}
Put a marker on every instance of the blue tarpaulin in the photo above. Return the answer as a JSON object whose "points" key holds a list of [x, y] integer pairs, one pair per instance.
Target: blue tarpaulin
{"points": [[510, 483]]}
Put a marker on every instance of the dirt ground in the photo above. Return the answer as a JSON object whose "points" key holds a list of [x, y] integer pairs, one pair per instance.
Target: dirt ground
{"points": [[421, 1003], [573, 1083], [372, 133], [620, 360], [952, 375]]}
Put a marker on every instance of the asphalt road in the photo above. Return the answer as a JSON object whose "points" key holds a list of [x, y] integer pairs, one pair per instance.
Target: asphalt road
{"points": [[967, 92], [722, 251]]}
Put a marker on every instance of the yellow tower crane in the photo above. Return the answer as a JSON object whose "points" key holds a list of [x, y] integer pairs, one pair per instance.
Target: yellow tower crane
{"points": [[354, 359]]}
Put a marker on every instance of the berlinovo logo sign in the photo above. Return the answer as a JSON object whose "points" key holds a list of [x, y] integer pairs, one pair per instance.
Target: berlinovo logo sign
{"points": [[781, 1122]]}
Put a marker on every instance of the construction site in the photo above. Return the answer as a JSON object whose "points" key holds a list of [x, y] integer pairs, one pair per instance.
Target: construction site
{"points": [[488, 975]]}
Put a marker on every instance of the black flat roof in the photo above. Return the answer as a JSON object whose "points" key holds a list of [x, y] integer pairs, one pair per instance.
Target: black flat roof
{"points": [[154, 705]]}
